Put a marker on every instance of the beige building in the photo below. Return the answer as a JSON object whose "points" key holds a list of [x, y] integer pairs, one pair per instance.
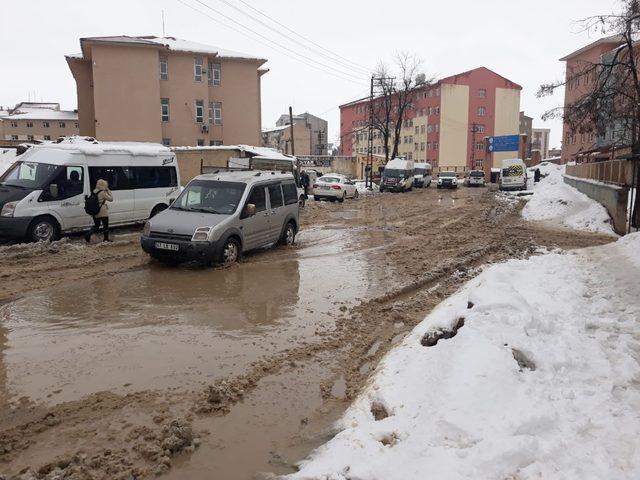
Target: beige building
{"points": [[540, 141], [319, 131], [167, 90], [31, 121], [279, 138]]}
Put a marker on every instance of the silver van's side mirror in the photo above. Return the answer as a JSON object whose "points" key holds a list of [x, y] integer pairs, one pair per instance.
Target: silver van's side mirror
{"points": [[249, 210], [53, 190]]}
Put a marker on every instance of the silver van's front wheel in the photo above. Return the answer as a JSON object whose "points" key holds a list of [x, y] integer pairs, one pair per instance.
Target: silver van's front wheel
{"points": [[43, 229], [230, 252], [288, 235]]}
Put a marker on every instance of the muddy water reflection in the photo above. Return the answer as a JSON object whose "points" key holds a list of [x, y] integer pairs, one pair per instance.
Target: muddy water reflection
{"points": [[163, 327]]}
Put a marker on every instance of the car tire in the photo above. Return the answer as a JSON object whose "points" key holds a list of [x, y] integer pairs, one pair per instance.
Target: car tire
{"points": [[43, 229], [302, 201], [288, 237], [356, 194], [341, 199], [230, 252], [157, 209], [316, 198]]}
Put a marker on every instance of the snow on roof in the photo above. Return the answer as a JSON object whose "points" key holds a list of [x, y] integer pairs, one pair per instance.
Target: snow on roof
{"points": [[90, 146], [42, 114], [176, 44], [276, 129], [264, 152]]}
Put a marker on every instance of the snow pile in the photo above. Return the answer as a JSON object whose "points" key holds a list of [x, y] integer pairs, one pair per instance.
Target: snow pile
{"points": [[556, 202], [363, 190], [7, 157], [540, 381]]}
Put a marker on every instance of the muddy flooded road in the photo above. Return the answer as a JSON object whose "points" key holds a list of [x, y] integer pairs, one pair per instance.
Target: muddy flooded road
{"points": [[112, 366]]}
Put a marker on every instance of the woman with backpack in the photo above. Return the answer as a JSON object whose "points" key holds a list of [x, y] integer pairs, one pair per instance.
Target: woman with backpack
{"points": [[101, 195]]}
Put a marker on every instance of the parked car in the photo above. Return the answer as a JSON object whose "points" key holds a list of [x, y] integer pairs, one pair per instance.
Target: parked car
{"points": [[42, 195], [398, 175], [220, 216], [513, 175], [474, 178], [333, 186], [447, 180], [422, 175]]}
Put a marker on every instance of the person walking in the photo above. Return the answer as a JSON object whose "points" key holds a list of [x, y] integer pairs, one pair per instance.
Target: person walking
{"points": [[305, 182], [102, 217]]}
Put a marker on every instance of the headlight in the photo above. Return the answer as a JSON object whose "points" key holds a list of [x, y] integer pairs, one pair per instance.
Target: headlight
{"points": [[147, 229], [201, 234], [8, 209]]}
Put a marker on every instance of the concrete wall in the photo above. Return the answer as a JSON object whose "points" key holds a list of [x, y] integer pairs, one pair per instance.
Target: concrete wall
{"points": [[612, 197], [454, 123], [83, 74]]}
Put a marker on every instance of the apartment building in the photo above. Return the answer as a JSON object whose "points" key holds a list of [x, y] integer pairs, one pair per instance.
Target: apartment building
{"points": [[33, 121], [540, 141], [318, 127], [279, 138], [526, 128], [164, 89], [578, 84], [448, 122]]}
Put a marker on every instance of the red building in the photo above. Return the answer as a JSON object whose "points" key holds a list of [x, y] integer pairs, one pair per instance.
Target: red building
{"points": [[448, 121]]}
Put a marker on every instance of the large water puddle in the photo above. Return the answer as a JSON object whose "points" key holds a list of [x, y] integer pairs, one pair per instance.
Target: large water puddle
{"points": [[161, 327]]}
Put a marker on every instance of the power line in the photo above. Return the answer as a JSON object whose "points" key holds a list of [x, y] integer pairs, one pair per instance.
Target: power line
{"points": [[302, 36], [304, 59], [337, 58]]}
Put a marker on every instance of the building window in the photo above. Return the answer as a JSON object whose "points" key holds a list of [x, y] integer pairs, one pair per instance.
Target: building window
{"points": [[199, 111], [200, 142], [422, 128], [47, 137], [430, 129], [164, 68], [197, 73], [482, 111], [166, 142], [416, 146], [482, 93], [217, 112], [164, 109], [437, 109], [14, 137], [215, 73], [216, 143], [76, 125], [29, 124], [30, 138], [45, 124], [428, 145], [437, 129], [480, 128], [417, 130], [422, 147], [480, 146], [14, 124], [435, 145], [62, 125]]}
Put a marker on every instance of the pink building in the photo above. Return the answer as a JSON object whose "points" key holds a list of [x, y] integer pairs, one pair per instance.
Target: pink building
{"points": [[449, 120], [579, 84]]}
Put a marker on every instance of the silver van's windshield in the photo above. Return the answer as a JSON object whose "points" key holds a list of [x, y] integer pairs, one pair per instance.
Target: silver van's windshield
{"points": [[210, 196], [392, 173], [32, 175], [420, 171]]}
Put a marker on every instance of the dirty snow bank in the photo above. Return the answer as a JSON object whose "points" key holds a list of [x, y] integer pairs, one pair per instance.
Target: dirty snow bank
{"points": [[556, 202], [362, 189], [541, 381]]}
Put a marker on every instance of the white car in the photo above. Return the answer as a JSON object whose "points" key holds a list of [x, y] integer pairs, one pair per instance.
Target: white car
{"points": [[334, 187]]}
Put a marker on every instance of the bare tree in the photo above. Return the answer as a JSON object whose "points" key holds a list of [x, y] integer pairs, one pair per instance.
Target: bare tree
{"points": [[609, 103], [394, 99]]}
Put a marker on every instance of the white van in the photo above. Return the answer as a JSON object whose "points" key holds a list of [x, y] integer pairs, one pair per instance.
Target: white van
{"points": [[513, 175], [397, 175], [422, 175], [42, 195]]}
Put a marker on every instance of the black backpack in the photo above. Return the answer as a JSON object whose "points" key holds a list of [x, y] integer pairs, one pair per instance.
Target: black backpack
{"points": [[92, 204]]}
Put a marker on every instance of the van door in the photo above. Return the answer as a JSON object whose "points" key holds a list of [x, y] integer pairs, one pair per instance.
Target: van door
{"points": [[64, 196], [153, 186], [121, 210], [255, 229], [276, 210]]}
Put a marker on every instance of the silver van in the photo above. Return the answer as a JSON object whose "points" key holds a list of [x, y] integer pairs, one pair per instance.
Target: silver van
{"points": [[218, 216]]}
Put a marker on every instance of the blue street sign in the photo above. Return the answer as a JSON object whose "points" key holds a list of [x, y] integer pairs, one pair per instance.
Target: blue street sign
{"points": [[505, 143]]}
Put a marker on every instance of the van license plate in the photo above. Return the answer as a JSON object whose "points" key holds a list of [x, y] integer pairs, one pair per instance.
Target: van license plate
{"points": [[167, 246]]}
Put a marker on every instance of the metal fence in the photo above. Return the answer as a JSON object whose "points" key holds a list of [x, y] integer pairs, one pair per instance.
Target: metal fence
{"points": [[615, 172]]}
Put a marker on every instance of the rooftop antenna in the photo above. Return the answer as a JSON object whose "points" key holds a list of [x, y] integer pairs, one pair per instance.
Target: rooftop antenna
{"points": [[163, 35]]}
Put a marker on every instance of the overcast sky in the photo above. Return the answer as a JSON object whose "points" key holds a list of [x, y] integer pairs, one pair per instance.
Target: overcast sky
{"points": [[519, 40]]}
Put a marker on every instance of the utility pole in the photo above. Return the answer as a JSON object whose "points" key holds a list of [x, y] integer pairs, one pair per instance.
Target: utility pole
{"points": [[368, 175], [163, 34], [472, 160], [293, 151]]}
